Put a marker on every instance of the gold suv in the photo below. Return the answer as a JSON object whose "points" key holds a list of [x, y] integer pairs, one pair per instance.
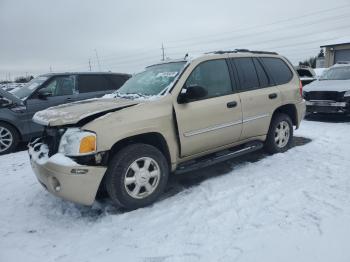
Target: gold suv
{"points": [[171, 118]]}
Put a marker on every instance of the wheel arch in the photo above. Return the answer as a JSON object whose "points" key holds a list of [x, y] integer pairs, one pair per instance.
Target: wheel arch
{"points": [[152, 138], [290, 110]]}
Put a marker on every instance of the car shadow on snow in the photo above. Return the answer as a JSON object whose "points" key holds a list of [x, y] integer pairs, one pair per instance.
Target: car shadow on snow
{"points": [[328, 118], [178, 183]]}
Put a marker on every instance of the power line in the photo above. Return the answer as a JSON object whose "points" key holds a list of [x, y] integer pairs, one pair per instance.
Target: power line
{"points": [[127, 57], [299, 17], [254, 34]]}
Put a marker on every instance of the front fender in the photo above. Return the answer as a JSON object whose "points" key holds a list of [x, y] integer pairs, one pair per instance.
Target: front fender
{"points": [[155, 117]]}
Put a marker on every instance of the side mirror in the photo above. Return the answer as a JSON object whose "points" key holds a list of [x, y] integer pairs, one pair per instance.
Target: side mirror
{"points": [[190, 93], [42, 94], [4, 102]]}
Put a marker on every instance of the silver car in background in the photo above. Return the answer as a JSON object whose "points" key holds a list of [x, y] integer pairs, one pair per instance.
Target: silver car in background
{"points": [[331, 92]]}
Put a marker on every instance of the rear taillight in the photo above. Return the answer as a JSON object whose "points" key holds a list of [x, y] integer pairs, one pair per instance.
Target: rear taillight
{"points": [[301, 89]]}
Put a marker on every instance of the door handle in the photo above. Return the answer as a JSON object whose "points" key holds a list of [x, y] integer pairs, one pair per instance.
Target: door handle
{"points": [[231, 104], [69, 99], [272, 96]]}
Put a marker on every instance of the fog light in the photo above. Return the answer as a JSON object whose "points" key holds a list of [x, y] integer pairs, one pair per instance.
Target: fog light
{"points": [[55, 184]]}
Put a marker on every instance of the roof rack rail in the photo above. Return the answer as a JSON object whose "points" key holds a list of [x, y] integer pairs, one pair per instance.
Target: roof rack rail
{"points": [[242, 51]]}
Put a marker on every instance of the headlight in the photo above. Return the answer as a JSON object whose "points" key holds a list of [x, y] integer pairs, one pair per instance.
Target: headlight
{"points": [[76, 142], [347, 94]]}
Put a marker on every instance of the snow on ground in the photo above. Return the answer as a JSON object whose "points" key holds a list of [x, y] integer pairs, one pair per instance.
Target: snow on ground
{"points": [[11, 86], [286, 207]]}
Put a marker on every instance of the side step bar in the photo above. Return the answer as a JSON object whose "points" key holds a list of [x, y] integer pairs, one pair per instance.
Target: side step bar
{"points": [[218, 157]]}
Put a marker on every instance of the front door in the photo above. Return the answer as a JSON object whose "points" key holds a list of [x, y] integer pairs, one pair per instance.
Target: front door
{"points": [[215, 120], [59, 90]]}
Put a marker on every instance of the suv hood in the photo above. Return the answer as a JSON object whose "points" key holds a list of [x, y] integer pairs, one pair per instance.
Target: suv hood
{"points": [[69, 114], [328, 85], [14, 99]]}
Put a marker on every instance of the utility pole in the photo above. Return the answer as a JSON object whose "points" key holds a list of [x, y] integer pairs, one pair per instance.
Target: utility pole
{"points": [[163, 53], [89, 64], [50, 69], [98, 60]]}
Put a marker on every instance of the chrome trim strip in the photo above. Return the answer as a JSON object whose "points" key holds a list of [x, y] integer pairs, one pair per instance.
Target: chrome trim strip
{"points": [[216, 127], [212, 128], [248, 119]]}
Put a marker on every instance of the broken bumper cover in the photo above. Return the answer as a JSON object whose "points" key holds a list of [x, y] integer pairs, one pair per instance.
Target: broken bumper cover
{"points": [[63, 177], [327, 107]]}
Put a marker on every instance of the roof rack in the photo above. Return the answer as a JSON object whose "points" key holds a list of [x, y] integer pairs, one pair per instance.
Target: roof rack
{"points": [[220, 52]]}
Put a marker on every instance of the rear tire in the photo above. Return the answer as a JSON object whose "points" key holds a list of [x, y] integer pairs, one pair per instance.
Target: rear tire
{"points": [[136, 176], [280, 135], [9, 138]]}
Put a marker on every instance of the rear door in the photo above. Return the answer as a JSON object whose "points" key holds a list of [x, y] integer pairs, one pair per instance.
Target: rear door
{"points": [[215, 120], [258, 93]]}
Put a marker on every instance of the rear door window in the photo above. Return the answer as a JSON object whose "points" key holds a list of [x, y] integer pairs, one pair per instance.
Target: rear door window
{"points": [[116, 81], [278, 69], [93, 83], [262, 75], [246, 73]]}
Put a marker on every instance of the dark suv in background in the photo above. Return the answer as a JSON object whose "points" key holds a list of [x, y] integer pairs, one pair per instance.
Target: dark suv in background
{"points": [[18, 106]]}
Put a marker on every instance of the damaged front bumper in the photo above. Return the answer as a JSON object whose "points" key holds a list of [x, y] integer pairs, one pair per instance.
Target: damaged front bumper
{"points": [[63, 177], [325, 106]]}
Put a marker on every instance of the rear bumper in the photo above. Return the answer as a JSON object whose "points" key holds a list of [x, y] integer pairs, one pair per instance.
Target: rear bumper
{"points": [[327, 107], [64, 178], [301, 110]]}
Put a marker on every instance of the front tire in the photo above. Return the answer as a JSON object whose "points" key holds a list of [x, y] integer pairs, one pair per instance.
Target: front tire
{"points": [[136, 176], [280, 135], [8, 138]]}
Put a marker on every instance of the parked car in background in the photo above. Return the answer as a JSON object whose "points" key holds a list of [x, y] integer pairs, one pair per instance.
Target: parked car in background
{"points": [[331, 92], [306, 74], [11, 86], [175, 116], [18, 106]]}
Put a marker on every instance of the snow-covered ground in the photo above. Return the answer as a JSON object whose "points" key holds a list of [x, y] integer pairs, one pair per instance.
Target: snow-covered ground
{"points": [[11, 86], [286, 207]]}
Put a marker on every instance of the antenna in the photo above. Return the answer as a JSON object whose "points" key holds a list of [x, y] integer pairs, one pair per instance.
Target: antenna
{"points": [[163, 53], [98, 60]]}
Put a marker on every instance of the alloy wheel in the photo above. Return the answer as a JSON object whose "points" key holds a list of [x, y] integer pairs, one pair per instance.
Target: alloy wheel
{"points": [[282, 134], [6, 139], [142, 177]]}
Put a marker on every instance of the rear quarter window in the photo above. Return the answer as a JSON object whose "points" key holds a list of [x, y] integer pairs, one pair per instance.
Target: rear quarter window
{"points": [[278, 69]]}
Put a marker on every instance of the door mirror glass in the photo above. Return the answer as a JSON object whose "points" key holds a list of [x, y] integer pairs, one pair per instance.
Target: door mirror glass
{"points": [[193, 92]]}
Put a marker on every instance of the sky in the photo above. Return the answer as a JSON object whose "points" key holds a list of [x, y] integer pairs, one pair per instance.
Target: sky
{"points": [[40, 36]]}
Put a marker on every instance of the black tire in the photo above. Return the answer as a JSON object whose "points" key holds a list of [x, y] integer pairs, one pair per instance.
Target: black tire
{"points": [[273, 147], [13, 134], [119, 168]]}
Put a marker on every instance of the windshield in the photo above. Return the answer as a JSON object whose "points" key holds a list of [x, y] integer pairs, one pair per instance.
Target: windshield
{"points": [[337, 73], [25, 91], [151, 82]]}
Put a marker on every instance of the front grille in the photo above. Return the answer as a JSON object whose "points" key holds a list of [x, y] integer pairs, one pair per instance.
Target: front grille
{"points": [[52, 137], [324, 95]]}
